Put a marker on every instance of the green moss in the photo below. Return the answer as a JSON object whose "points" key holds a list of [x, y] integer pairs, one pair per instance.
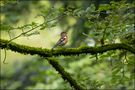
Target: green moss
{"points": [[65, 75], [63, 51]]}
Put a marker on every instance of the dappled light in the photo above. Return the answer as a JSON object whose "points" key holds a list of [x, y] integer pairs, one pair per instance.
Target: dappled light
{"points": [[67, 44]]}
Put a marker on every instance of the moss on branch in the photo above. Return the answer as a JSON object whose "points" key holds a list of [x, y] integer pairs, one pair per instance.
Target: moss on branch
{"points": [[62, 51], [65, 75], [4, 44]]}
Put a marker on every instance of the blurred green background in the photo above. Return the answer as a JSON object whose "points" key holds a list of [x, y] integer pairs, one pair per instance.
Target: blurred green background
{"points": [[88, 23]]}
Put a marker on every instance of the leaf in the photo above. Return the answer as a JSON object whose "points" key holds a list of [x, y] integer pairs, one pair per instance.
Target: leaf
{"points": [[5, 27], [33, 24], [34, 33], [75, 12], [90, 9], [61, 9], [104, 7], [43, 27]]}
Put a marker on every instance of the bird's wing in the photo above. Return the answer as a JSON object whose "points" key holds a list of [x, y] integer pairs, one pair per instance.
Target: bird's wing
{"points": [[58, 43]]}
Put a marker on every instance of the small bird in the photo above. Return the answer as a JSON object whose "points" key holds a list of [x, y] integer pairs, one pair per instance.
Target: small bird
{"points": [[62, 41]]}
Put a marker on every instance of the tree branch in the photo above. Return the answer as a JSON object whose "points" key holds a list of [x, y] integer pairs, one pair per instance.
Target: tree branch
{"points": [[65, 75], [63, 51], [34, 28]]}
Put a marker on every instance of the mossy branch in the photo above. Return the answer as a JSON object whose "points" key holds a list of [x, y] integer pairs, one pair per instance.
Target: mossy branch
{"points": [[69, 51], [65, 75], [62, 51]]}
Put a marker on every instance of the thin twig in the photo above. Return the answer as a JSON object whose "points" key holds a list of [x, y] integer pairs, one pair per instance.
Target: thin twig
{"points": [[86, 35], [102, 39], [31, 30], [24, 33], [96, 57], [123, 72], [9, 34], [4, 61], [46, 16]]}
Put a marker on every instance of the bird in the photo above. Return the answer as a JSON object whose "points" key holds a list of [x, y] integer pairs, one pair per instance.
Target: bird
{"points": [[62, 41]]}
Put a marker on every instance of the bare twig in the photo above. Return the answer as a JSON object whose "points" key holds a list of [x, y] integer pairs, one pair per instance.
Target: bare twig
{"points": [[4, 61]]}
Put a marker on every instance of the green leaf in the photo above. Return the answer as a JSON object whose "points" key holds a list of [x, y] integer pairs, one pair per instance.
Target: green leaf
{"points": [[43, 27], [61, 9], [104, 7], [34, 33], [5, 27]]}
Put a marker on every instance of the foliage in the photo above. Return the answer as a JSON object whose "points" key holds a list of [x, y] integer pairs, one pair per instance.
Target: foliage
{"points": [[101, 21]]}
